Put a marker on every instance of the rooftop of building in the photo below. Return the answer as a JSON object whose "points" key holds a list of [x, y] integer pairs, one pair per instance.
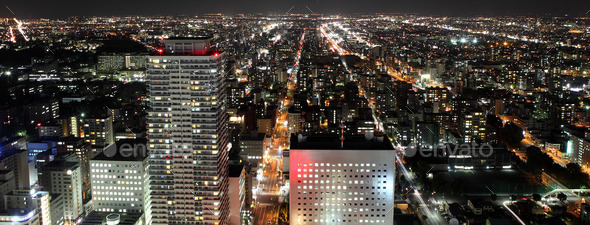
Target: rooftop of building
{"points": [[18, 214], [125, 150], [202, 47], [10, 152], [61, 165], [253, 137], [4, 141], [99, 218], [235, 170], [97, 116], [332, 141], [196, 39]]}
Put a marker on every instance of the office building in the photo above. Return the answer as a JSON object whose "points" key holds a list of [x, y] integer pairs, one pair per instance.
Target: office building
{"points": [[54, 130], [120, 180], [17, 161], [27, 216], [31, 199], [187, 130], [341, 180], [238, 193], [107, 218], [70, 126], [83, 153], [98, 131], [473, 126], [7, 183], [252, 148], [65, 178], [56, 204], [41, 111], [40, 145]]}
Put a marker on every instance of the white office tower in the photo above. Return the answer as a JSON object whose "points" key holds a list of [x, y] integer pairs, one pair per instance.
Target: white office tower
{"points": [[341, 182], [120, 180], [187, 134]]}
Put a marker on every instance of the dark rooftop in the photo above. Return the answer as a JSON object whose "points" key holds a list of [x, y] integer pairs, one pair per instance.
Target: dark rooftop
{"points": [[189, 38], [235, 170], [61, 165], [125, 150], [254, 137], [99, 218], [332, 141]]}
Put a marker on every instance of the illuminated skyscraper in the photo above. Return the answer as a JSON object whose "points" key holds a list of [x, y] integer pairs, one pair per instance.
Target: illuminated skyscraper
{"points": [[187, 132]]}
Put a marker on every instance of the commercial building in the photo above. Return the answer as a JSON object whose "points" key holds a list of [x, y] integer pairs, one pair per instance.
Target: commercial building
{"points": [[17, 161], [27, 216], [83, 153], [187, 129], [31, 199], [98, 131], [120, 180], [107, 218], [56, 205], [252, 147], [50, 130], [239, 206], [473, 126], [63, 177], [41, 111], [341, 180]]}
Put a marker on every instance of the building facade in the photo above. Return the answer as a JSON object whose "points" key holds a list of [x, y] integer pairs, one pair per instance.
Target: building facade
{"points": [[120, 183], [98, 131], [188, 138], [348, 184], [63, 177], [27, 199]]}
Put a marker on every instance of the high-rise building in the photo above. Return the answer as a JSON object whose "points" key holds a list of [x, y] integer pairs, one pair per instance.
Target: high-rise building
{"points": [[341, 180], [98, 131], [18, 161], [120, 180], [42, 111], [70, 126], [83, 154], [238, 192], [473, 126], [63, 177], [56, 205], [439, 97], [20, 217], [188, 138], [54, 130]]}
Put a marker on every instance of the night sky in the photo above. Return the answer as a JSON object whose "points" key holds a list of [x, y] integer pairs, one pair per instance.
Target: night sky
{"points": [[64, 8]]}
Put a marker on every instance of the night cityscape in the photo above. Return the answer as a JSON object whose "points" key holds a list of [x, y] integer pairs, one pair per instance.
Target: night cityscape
{"points": [[301, 113]]}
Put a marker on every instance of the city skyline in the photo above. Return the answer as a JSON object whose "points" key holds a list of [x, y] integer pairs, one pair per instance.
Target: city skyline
{"points": [[297, 117], [68, 8]]}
